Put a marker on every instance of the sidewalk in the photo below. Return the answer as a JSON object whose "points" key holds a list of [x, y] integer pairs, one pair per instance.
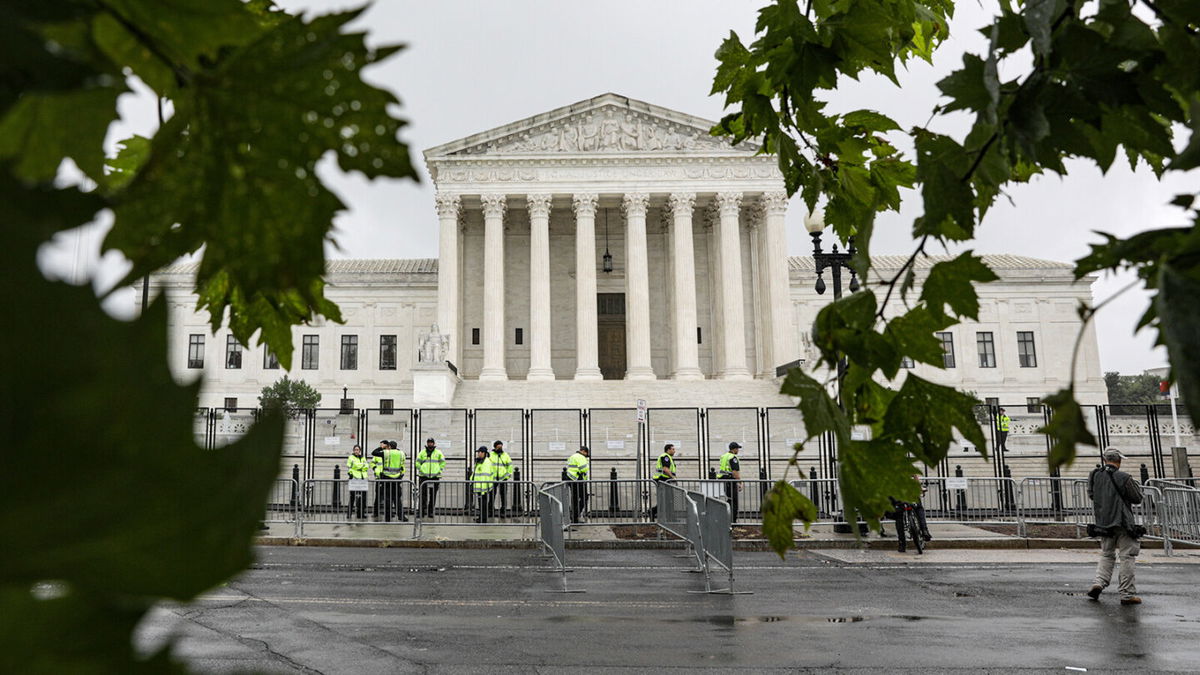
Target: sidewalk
{"points": [[963, 540]]}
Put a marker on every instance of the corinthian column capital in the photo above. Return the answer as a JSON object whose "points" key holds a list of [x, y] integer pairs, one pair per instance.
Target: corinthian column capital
{"points": [[775, 203], [538, 205], [682, 203], [635, 203], [585, 203], [447, 204], [729, 203], [494, 205]]}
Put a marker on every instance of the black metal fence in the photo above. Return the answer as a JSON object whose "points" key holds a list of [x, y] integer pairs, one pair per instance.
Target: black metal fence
{"points": [[317, 442]]}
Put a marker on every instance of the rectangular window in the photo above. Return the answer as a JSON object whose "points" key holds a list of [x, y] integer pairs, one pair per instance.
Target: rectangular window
{"points": [[1026, 352], [195, 350], [310, 352], [387, 352], [992, 402], [906, 362], [987, 350], [520, 336], [1033, 405], [349, 352], [233, 353], [347, 406], [269, 360], [474, 336], [230, 404], [386, 406], [947, 340], [699, 336]]}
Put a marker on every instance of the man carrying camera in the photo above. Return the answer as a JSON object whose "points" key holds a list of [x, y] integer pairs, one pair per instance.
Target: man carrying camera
{"points": [[1112, 492]]}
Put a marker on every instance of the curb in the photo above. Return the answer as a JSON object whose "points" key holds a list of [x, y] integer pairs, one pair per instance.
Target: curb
{"points": [[748, 545]]}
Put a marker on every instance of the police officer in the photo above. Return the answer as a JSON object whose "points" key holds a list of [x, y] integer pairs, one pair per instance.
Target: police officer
{"points": [[357, 468], [578, 467], [664, 471], [392, 470], [730, 471], [1002, 423], [377, 473], [504, 472], [482, 481], [430, 464]]}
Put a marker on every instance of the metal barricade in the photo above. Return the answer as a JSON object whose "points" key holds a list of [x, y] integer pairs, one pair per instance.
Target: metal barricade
{"points": [[983, 501], [617, 502], [1180, 517], [332, 502], [1050, 500], [672, 509], [717, 540], [282, 502], [551, 529], [824, 494], [749, 495], [455, 502]]}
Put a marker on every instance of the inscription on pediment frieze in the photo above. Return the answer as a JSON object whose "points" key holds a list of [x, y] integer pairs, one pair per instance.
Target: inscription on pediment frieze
{"points": [[608, 129]]}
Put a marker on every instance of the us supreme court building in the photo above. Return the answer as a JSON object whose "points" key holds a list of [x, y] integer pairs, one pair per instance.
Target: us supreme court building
{"points": [[597, 254]]}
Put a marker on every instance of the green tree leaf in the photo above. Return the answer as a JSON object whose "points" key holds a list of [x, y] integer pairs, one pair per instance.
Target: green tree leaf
{"points": [[782, 505], [921, 417], [43, 128], [1180, 330], [952, 284], [1067, 428]]}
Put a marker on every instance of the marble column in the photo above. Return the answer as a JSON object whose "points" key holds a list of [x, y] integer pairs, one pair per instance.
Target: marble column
{"points": [[449, 315], [732, 298], [540, 367], [637, 289], [687, 357], [779, 303], [586, 339], [493, 288]]}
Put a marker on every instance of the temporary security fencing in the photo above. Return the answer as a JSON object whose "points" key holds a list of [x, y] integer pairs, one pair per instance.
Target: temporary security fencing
{"points": [[281, 504], [552, 529], [704, 523], [1180, 517], [357, 502]]}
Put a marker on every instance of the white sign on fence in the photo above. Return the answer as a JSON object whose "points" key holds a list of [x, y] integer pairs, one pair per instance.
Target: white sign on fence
{"points": [[332, 440], [956, 483], [616, 445], [556, 446], [358, 484], [641, 410]]}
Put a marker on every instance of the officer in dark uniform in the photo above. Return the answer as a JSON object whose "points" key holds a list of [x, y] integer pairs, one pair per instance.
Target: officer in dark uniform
{"points": [[730, 471]]}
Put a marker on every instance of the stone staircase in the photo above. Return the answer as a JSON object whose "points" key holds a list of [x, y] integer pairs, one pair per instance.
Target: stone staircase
{"points": [[620, 394]]}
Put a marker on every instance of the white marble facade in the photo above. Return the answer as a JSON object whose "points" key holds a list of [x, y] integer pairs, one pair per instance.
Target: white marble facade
{"points": [[696, 230]]}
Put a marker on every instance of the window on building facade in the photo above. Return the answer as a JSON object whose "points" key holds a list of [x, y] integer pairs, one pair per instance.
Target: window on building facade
{"points": [[1033, 404], [906, 362], [947, 340], [349, 352], [699, 336], [386, 406], [347, 406], [474, 336], [310, 352], [270, 362], [231, 404], [987, 350], [387, 352], [1026, 351], [196, 350], [233, 353], [520, 338]]}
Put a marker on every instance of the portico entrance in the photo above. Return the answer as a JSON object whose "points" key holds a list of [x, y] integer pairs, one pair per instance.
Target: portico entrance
{"points": [[610, 317]]}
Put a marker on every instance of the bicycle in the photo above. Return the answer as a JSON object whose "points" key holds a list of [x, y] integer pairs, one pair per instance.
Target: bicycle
{"points": [[912, 526]]}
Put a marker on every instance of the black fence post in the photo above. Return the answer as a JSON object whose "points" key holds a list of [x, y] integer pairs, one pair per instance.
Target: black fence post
{"points": [[762, 487], [1145, 473], [712, 473], [614, 497], [1009, 501], [519, 494], [961, 501], [337, 487]]}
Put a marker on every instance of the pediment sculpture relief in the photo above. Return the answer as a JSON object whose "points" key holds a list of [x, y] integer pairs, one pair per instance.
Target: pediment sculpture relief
{"points": [[610, 129]]}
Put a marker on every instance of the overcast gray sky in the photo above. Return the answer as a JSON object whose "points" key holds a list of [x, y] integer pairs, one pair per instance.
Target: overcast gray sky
{"points": [[472, 66]]}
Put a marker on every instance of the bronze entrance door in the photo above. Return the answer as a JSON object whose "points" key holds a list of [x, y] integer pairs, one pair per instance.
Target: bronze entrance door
{"points": [[610, 315]]}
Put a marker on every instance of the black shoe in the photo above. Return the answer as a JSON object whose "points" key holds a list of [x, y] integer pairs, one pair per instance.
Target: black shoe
{"points": [[926, 536], [901, 549], [1095, 591]]}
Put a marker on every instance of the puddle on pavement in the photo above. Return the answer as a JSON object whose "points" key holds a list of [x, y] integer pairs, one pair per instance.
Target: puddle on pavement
{"points": [[727, 621]]}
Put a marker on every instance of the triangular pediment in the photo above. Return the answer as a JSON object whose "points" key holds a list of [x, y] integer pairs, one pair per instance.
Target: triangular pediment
{"points": [[607, 124]]}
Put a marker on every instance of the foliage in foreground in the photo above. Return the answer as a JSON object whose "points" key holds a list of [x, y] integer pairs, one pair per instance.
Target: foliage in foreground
{"points": [[118, 508], [1105, 80]]}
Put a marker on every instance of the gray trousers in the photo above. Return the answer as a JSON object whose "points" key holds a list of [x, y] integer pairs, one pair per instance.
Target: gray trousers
{"points": [[1122, 546]]}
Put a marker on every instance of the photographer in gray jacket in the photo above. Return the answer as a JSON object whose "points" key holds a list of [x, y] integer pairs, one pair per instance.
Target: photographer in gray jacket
{"points": [[1112, 492]]}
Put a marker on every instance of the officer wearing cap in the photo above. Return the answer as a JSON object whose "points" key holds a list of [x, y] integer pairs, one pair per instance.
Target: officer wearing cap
{"points": [[577, 471], [1112, 492], [730, 471], [430, 464], [483, 479]]}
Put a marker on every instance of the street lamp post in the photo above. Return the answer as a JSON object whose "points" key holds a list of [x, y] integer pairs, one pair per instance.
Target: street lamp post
{"points": [[833, 261], [347, 407]]}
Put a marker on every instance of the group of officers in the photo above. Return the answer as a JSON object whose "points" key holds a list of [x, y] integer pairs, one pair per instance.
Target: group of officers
{"points": [[490, 477]]}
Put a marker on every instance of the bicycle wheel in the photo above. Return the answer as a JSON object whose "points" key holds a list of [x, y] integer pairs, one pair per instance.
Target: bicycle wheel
{"points": [[914, 531]]}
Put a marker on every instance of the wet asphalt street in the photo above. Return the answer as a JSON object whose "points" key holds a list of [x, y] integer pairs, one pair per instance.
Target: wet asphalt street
{"points": [[362, 610]]}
